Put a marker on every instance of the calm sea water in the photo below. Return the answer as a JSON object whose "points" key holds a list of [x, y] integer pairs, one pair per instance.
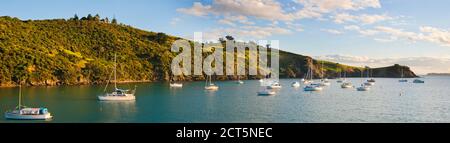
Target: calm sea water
{"points": [[388, 101]]}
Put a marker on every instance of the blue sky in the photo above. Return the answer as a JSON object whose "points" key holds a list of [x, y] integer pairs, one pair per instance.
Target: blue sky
{"points": [[357, 32]]}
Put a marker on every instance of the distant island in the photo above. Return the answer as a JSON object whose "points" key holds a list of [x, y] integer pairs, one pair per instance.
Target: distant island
{"points": [[438, 74], [81, 51]]}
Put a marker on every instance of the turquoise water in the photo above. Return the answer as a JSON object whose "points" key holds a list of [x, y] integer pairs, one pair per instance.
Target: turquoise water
{"points": [[388, 101]]}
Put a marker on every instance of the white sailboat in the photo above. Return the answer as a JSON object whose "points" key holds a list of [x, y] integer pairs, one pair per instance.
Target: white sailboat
{"points": [[311, 86], [308, 80], [296, 84], [175, 85], [346, 85], [363, 88], [370, 81], [324, 81], [239, 81], [401, 78], [209, 85], [274, 85], [340, 79], [266, 91], [117, 94], [25, 113]]}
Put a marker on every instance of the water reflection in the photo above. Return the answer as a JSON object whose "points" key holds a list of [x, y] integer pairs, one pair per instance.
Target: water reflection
{"points": [[118, 111]]}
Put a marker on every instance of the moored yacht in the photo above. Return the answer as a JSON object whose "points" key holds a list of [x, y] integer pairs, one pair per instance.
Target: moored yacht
{"points": [[274, 85], [118, 94], [363, 88], [313, 87], [418, 81], [25, 113], [296, 84], [174, 84], [209, 85], [346, 85]]}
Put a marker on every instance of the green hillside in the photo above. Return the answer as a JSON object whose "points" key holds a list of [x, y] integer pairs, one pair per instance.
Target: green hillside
{"points": [[81, 51]]}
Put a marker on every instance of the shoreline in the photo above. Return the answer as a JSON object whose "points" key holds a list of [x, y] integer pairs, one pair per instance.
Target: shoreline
{"points": [[150, 81]]}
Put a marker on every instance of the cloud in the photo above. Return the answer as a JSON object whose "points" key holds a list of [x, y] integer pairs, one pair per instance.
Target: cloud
{"points": [[364, 32], [175, 21], [327, 6], [420, 65], [364, 18], [332, 31], [262, 9], [230, 20], [198, 9], [428, 34], [246, 32]]}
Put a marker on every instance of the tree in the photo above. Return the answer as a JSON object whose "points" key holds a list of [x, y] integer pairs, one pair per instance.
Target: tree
{"points": [[89, 17], [114, 21], [230, 38], [96, 17], [75, 17]]}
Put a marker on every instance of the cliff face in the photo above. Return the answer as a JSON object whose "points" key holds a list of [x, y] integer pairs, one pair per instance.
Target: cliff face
{"points": [[67, 52]]}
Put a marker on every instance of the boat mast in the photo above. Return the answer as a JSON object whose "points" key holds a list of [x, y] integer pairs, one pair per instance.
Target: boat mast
{"points": [[20, 96], [115, 68]]}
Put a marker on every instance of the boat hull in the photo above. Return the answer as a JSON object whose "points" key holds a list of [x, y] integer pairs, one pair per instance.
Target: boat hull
{"points": [[15, 116], [211, 88], [176, 85], [128, 97], [363, 89], [266, 93]]}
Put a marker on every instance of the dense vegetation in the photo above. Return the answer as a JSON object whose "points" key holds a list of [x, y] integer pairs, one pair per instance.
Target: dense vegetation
{"points": [[81, 51]]}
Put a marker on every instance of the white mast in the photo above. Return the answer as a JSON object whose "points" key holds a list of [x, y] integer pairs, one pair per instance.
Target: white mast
{"points": [[115, 68], [20, 96]]}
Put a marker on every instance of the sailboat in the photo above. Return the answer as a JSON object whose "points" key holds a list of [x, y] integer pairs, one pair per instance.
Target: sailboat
{"points": [[266, 91], [324, 81], [22, 112], [363, 86], [340, 79], [346, 84], [239, 81], [306, 80], [174, 84], [209, 85], [369, 82], [311, 86], [296, 84], [117, 94], [401, 78]]}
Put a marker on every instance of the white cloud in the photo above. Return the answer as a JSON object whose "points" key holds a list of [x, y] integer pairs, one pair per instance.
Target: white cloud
{"points": [[428, 34], [364, 18], [175, 21], [420, 65], [327, 6], [332, 31], [246, 32], [262, 9], [229, 20], [364, 32], [198, 9]]}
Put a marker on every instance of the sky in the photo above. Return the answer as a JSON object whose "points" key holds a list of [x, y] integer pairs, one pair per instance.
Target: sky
{"points": [[375, 33]]}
